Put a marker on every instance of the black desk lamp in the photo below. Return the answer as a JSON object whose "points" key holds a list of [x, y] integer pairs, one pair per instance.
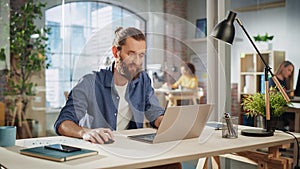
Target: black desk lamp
{"points": [[225, 31]]}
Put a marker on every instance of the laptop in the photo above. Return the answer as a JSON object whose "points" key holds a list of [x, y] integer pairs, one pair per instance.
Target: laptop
{"points": [[179, 122]]}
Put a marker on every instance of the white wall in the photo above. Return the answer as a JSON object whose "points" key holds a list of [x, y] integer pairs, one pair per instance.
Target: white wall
{"points": [[196, 9], [282, 22], [293, 35]]}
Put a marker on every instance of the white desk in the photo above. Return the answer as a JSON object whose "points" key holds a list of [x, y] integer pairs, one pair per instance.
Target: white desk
{"points": [[125, 153], [179, 94], [296, 109]]}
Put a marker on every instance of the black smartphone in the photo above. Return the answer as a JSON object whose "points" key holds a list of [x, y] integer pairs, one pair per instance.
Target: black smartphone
{"points": [[63, 148]]}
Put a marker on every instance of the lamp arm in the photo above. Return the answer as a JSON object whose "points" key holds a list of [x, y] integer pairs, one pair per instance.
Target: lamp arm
{"points": [[253, 44], [283, 93], [267, 97]]}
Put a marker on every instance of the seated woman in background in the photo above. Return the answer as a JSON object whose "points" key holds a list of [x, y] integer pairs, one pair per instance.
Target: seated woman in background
{"points": [[285, 76], [188, 79]]}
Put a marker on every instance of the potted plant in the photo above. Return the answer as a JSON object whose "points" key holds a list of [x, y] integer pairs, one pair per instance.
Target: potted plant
{"points": [[27, 56], [255, 105], [264, 41], [263, 38]]}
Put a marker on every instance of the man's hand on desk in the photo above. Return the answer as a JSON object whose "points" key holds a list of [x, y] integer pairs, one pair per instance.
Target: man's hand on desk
{"points": [[99, 135]]}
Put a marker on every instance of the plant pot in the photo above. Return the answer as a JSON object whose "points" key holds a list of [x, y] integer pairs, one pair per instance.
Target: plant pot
{"points": [[248, 120], [27, 129], [275, 123], [33, 126], [264, 46]]}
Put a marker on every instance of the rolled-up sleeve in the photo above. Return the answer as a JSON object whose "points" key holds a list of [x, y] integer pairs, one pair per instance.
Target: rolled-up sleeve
{"points": [[153, 109], [76, 105]]}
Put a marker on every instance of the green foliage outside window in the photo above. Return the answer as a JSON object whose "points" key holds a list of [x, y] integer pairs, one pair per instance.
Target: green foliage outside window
{"points": [[27, 48]]}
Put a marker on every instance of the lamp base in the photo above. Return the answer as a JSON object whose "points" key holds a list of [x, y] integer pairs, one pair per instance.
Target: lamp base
{"points": [[257, 132]]}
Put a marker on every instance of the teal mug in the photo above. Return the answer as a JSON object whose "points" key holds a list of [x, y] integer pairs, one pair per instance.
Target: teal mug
{"points": [[7, 136]]}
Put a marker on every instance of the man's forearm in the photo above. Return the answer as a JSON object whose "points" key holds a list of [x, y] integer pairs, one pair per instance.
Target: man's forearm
{"points": [[71, 129]]}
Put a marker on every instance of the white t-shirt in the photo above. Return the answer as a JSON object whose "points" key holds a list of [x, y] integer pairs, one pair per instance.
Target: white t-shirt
{"points": [[124, 112]]}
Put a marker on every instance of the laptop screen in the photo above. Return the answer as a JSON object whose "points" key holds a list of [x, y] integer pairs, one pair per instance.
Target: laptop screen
{"points": [[179, 122], [297, 91]]}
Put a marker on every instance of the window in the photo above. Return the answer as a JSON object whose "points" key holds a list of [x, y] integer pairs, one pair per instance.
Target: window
{"points": [[80, 42]]}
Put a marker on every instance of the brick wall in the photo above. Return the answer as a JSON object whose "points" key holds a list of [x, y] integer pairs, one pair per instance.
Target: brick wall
{"points": [[175, 33], [235, 105]]}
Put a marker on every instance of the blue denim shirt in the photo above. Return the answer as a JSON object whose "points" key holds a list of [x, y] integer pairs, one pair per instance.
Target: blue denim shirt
{"points": [[93, 102]]}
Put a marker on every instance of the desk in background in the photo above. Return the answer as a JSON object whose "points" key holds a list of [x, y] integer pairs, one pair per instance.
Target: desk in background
{"points": [[295, 108], [126, 153], [295, 99], [173, 96]]}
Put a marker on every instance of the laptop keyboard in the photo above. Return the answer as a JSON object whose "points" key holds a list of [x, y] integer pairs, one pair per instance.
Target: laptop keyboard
{"points": [[144, 137], [148, 136]]}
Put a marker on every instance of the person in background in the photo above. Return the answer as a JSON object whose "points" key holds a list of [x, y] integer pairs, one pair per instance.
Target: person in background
{"points": [[116, 98], [188, 79], [285, 76]]}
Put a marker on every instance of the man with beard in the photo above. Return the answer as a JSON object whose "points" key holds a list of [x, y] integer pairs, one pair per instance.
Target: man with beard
{"points": [[116, 98]]}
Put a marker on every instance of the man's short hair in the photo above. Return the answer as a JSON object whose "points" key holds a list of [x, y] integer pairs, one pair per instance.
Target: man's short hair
{"points": [[121, 34]]}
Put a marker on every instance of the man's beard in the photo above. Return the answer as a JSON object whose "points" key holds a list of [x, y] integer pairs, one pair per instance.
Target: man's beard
{"points": [[122, 68]]}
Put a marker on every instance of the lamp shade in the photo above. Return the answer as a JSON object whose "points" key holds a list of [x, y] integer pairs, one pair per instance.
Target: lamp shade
{"points": [[225, 31]]}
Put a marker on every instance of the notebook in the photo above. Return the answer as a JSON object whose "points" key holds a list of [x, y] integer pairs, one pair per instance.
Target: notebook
{"points": [[179, 122], [54, 155]]}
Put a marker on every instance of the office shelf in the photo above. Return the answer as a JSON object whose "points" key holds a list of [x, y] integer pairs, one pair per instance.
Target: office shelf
{"points": [[252, 72], [252, 69]]}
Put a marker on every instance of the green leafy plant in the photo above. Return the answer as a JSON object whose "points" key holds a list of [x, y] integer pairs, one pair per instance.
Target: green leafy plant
{"points": [[27, 48], [263, 38], [255, 105], [27, 61]]}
